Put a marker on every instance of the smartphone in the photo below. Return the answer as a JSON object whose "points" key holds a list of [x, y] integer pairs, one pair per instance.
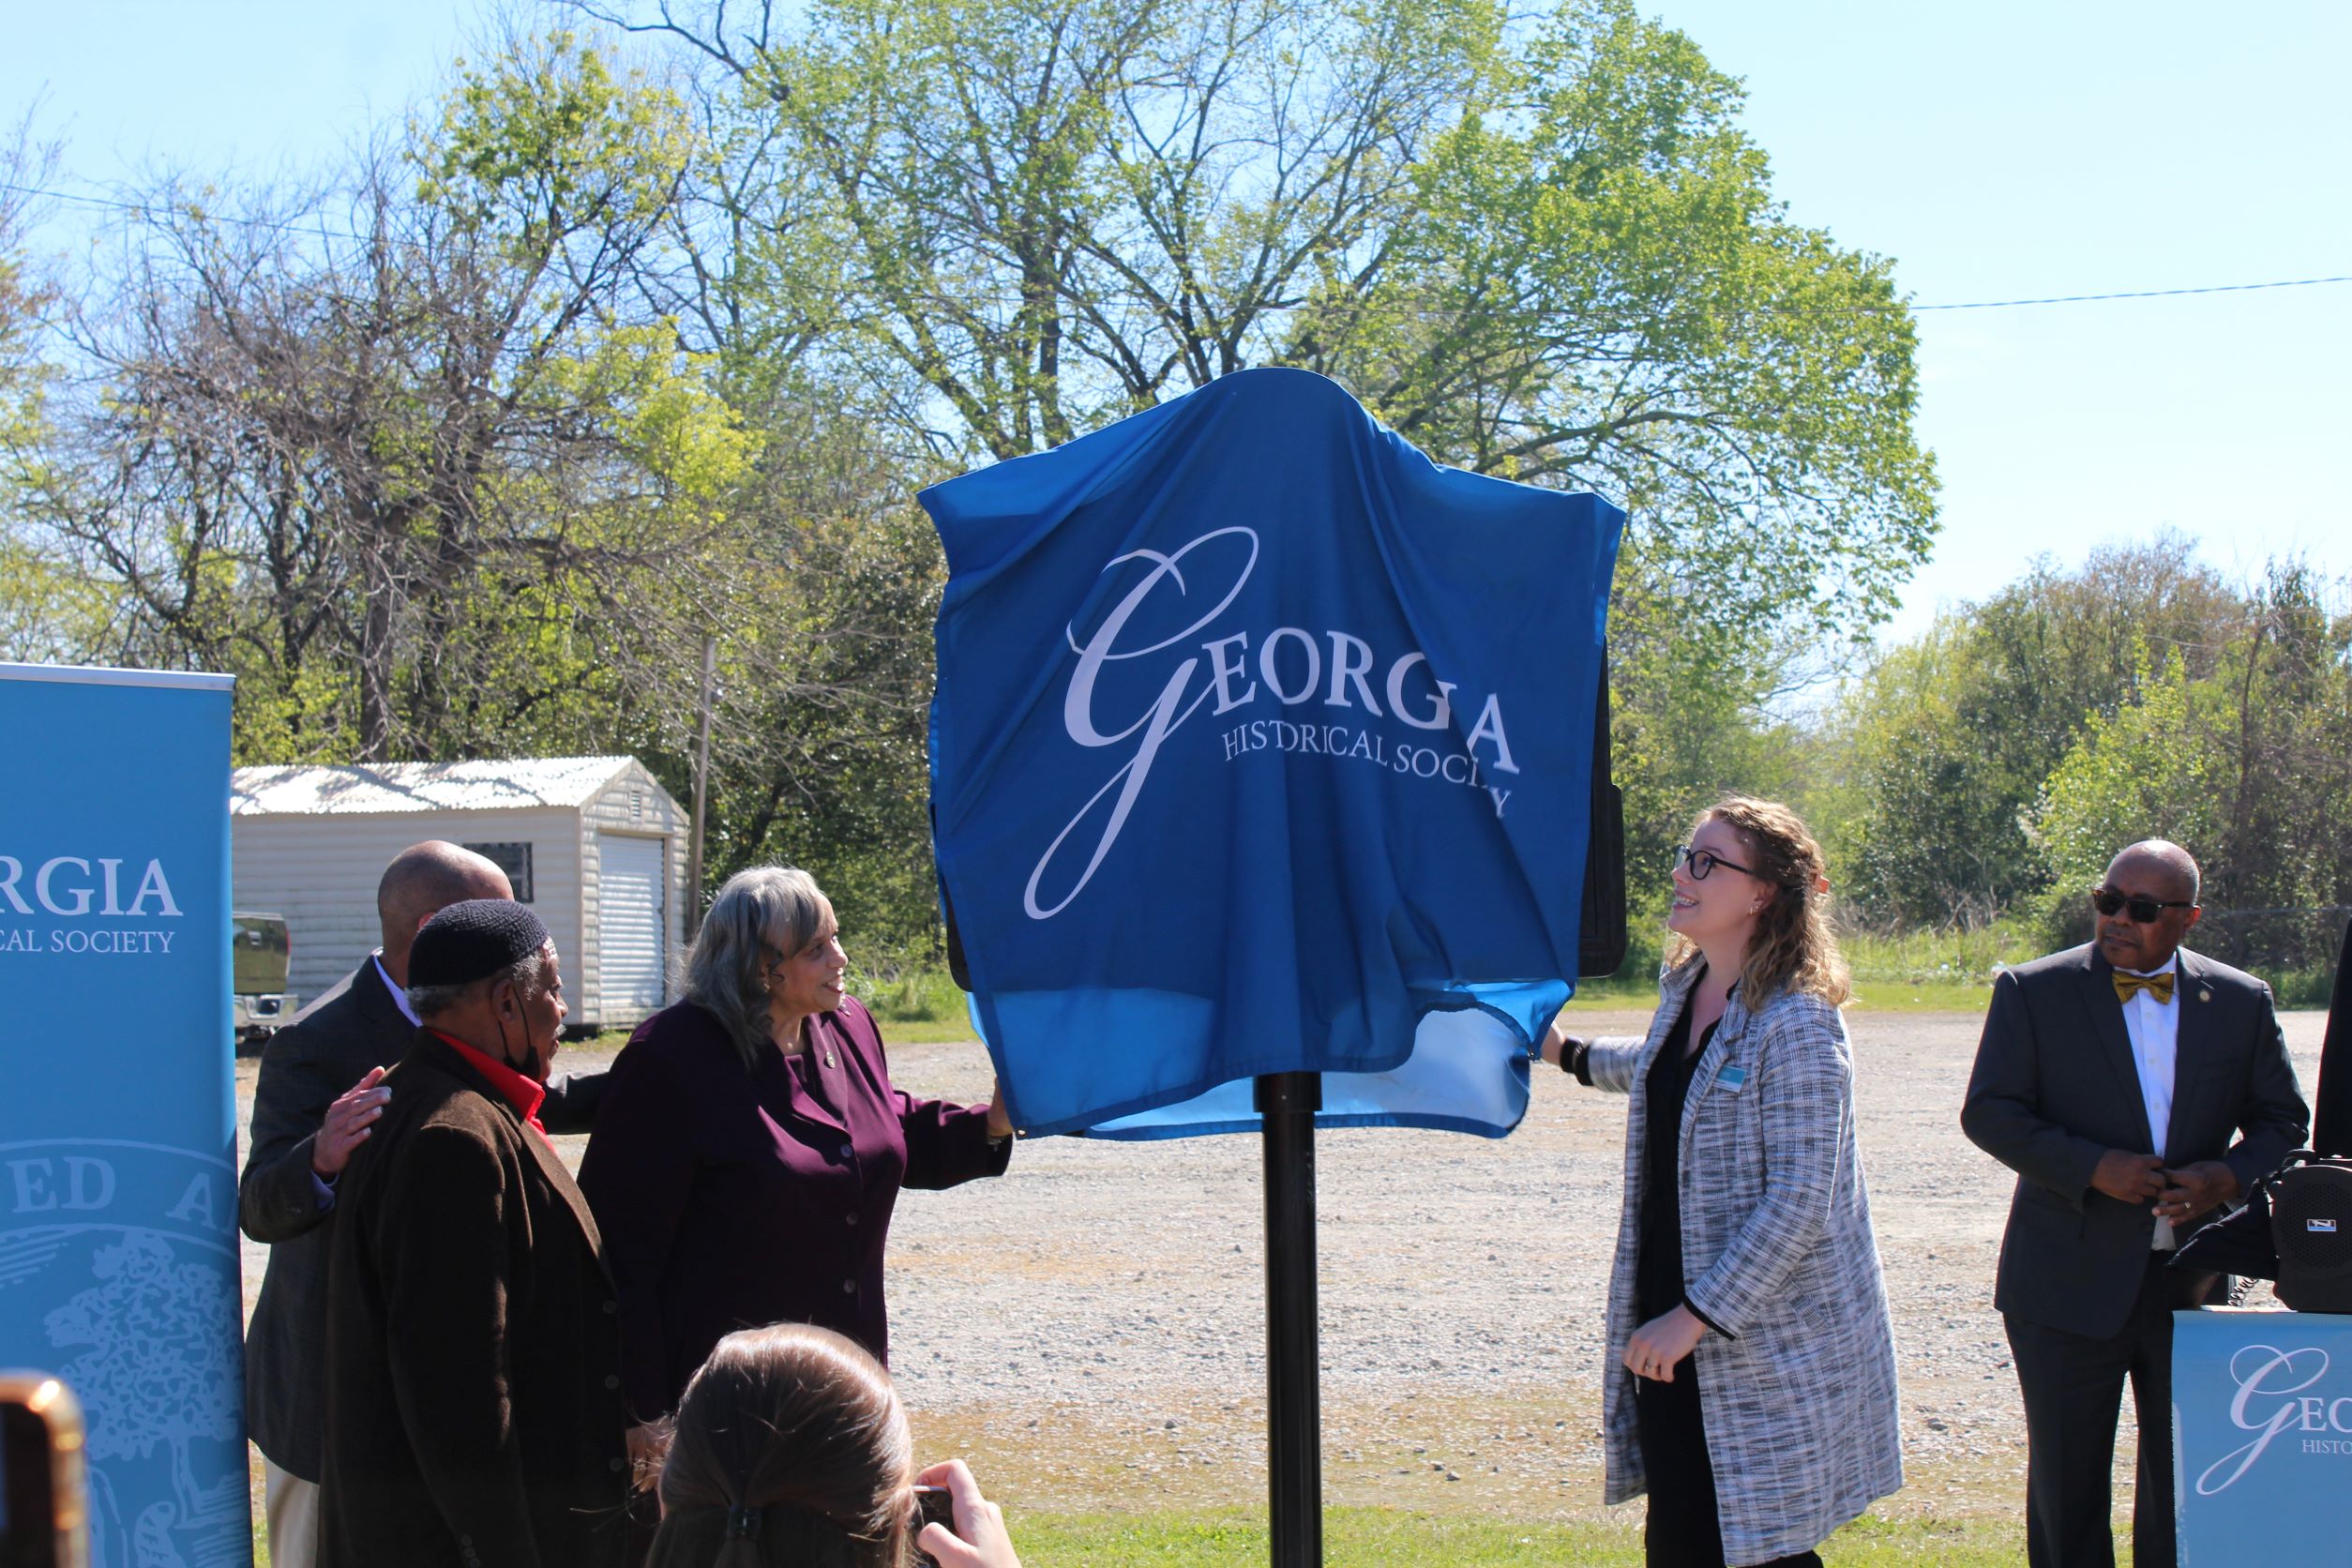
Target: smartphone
{"points": [[932, 1506], [42, 1493]]}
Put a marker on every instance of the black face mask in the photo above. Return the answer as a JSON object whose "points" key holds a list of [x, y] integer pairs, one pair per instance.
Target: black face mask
{"points": [[528, 1067]]}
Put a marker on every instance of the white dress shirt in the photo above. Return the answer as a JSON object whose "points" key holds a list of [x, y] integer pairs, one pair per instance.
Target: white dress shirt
{"points": [[400, 998], [2155, 1030], [324, 1185]]}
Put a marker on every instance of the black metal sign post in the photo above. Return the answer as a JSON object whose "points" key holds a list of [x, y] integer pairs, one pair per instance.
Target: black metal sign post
{"points": [[1294, 1400], [1288, 1102]]}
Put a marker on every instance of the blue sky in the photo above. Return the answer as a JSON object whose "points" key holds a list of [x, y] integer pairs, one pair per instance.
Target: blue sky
{"points": [[1995, 150]]}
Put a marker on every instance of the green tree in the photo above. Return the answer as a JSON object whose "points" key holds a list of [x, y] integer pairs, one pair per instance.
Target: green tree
{"points": [[395, 451], [2279, 704], [2149, 771], [24, 300], [1948, 739], [2248, 765], [48, 613], [1540, 247], [1594, 287]]}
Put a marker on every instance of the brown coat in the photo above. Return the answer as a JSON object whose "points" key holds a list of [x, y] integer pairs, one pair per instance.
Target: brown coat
{"points": [[328, 1049], [474, 1410]]}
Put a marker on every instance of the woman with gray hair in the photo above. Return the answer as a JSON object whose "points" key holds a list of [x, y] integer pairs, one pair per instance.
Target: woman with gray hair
{"points": [[750, 1147]]}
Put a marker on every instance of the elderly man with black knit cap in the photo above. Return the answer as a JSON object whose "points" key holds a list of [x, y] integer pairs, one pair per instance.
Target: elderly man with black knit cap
{"points": [[473, 1410]]}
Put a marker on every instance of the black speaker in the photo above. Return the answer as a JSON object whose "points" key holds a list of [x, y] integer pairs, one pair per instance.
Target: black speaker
{"points": [[2310, 1222]]}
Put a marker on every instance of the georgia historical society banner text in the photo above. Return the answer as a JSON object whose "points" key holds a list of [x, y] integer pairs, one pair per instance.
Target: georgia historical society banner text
{"points": [[1262, 744], [118, 1252]]}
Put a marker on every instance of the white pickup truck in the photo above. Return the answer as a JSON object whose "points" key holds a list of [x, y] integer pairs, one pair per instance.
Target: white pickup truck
{"points": [[263, 953]]}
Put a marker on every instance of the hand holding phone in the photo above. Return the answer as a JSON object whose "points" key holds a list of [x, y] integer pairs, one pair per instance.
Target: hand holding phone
{"points": [[976, 1536], [933, 1505]]}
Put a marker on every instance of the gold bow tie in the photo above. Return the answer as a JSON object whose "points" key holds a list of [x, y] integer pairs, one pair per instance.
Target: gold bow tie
{"points": [[2156, 986]]}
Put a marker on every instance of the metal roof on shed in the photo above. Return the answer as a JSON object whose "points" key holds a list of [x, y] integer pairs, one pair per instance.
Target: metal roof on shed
{"points": [[392, 787]]}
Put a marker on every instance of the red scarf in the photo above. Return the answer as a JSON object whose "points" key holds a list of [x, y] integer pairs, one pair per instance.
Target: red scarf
{"points": [[524, 1094]]}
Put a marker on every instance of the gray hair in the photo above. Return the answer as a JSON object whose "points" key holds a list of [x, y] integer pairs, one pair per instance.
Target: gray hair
{"points": [[527, 975], [768, 906]]}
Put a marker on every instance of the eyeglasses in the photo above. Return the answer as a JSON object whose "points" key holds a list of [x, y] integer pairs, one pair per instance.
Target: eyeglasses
{"points": [[773, 958], [2142, 909], [1701, 862]]}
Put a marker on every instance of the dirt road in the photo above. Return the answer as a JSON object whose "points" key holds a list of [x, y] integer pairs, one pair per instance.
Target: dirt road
{"points": [[1089, 1331]]}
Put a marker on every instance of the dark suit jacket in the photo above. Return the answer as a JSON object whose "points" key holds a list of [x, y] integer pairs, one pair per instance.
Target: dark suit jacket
{"points": [[2056, 1087], [328, 1047], [2331, 1128], [474, 1347]]}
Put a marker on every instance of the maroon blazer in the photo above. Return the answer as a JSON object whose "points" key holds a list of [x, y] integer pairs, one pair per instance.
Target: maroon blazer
{"points": [[731, 1199]]}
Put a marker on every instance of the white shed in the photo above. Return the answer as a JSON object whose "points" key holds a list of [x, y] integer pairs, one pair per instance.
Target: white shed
{"points": [[592, 843]]}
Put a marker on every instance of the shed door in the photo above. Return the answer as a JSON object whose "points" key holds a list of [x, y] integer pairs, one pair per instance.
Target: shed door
{"points": [[629, 928]]}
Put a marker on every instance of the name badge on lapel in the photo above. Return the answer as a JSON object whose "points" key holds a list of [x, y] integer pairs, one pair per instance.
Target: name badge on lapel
{"points": [[1732, 1080]]}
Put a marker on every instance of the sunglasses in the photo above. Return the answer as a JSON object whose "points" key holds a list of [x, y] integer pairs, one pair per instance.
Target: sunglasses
{"points": [[2141, 907], [1701, 862]]}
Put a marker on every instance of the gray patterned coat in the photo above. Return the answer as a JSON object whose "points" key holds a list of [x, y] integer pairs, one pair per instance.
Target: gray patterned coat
{"points": [[1777, 1250]]}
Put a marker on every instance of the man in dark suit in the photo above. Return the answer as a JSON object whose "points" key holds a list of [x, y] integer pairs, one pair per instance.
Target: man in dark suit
{"points": [[2112, 1077], [2331, 1122], [474, 1409], [313, 1103]]}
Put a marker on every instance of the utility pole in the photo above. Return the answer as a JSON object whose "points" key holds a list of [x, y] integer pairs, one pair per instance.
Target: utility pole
{"points": [[702, 785]]}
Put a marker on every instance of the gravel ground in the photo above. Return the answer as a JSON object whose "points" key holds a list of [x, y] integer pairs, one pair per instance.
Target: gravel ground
{"points": [[1089, 1331]]}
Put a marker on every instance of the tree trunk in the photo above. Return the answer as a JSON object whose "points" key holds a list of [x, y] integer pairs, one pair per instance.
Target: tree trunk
{"points": [[375, 659]]}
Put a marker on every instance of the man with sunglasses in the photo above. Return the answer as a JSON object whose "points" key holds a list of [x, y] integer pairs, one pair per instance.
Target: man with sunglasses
{"points": [[2113, 1079]]}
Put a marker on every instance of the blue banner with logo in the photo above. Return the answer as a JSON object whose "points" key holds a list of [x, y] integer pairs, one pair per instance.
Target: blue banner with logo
{"points": [[2262, 1427], [1262, 744], [118, 1250]]}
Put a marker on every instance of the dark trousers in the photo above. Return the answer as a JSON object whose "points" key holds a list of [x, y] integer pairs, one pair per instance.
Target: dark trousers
{"points": [[1683, 1529], [2073, 1390]]}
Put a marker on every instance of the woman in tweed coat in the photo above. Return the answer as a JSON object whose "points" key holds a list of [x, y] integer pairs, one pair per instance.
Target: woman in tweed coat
{"points": [[1750, 1385]]}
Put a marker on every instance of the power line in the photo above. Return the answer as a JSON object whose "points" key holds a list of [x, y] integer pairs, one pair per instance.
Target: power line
{"points": [[291, 224], [2135, 294], [145, 209]]}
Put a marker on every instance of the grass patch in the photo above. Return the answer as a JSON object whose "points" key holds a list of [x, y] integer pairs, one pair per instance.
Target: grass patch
{"points": [[915, 1006], [1924, 971], [608, 1042], [1396, 1538], [1933, 996], [913, 998], [930, 1032], [1967, 958], [2298, 987], [1919, 971], [1616, 993], [917, 1002]]}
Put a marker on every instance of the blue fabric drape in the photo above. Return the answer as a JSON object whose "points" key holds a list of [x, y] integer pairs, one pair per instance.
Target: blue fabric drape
{"points": [[1262, 744]]}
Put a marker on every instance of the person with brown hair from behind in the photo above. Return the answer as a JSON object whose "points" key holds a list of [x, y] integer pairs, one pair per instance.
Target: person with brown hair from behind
{"points": [[790, 1450]]}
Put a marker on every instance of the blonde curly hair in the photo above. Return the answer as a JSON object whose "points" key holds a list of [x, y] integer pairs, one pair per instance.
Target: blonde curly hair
{"points": [[1793, 946]]}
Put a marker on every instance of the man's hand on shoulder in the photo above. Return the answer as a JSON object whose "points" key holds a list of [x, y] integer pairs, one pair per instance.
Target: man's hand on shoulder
{"points": [[347, 1123], [2129, 1178]]}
